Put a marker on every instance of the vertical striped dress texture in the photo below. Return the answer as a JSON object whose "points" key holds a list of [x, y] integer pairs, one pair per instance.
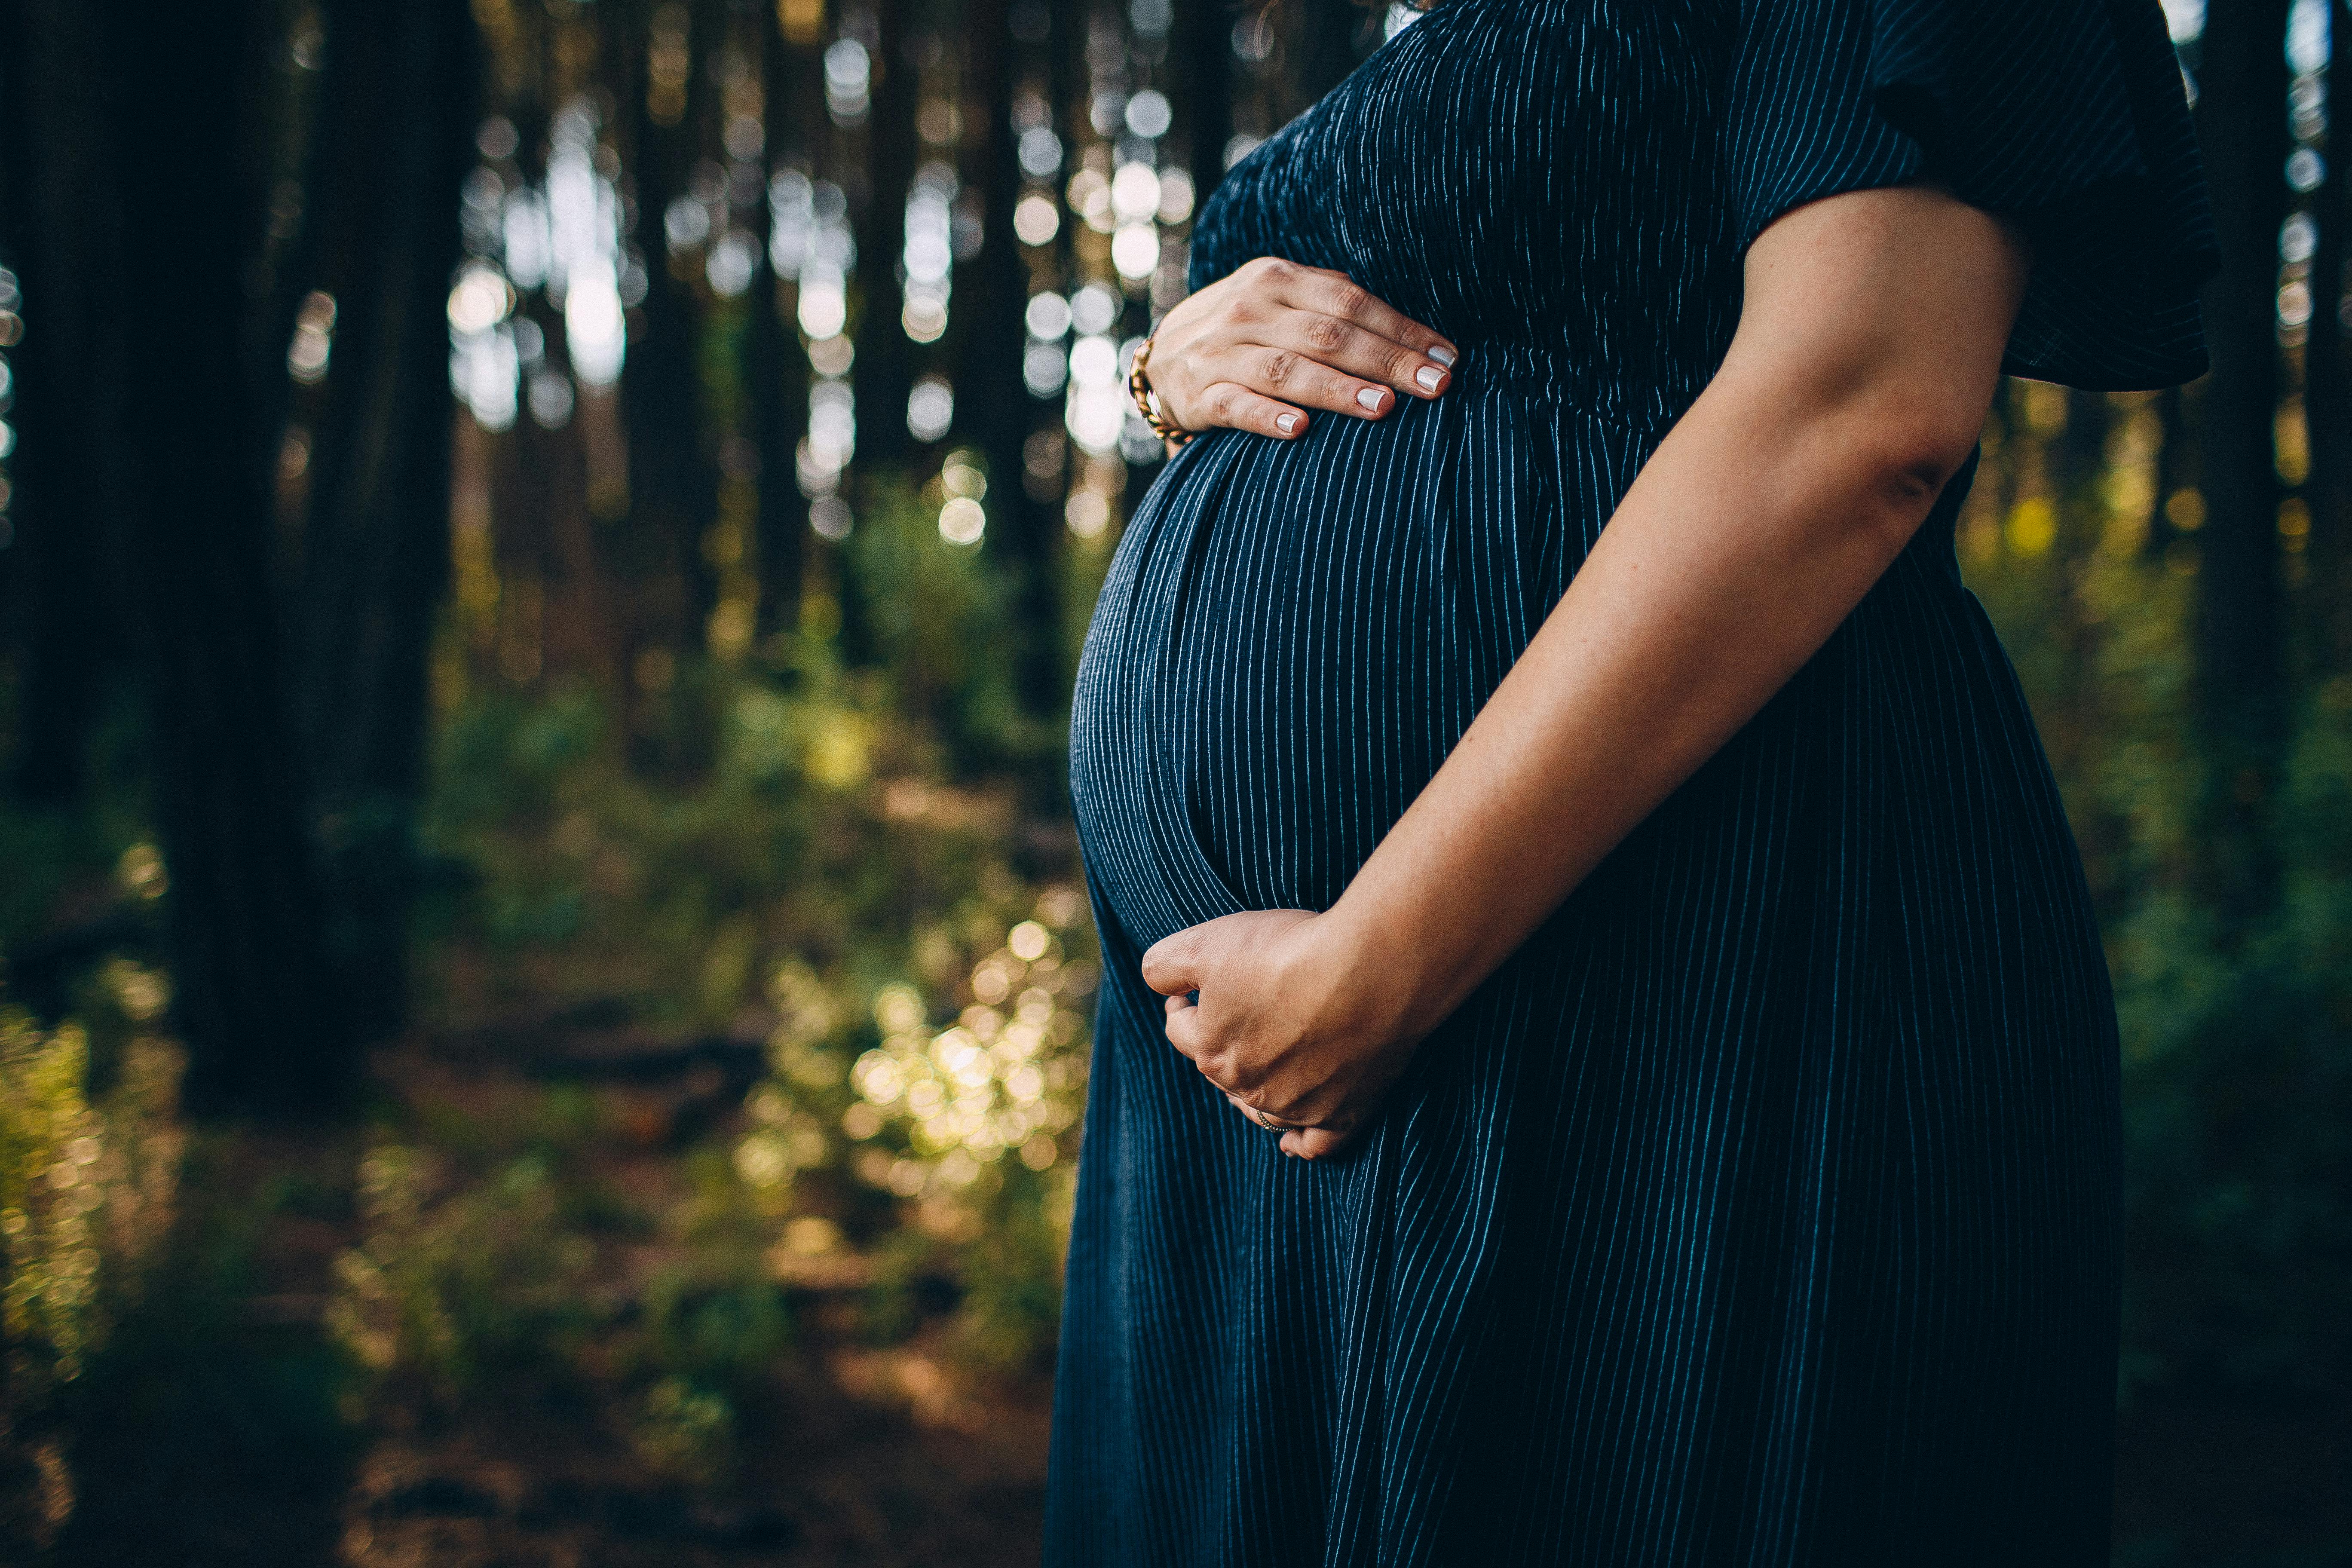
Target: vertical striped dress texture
{"points": [[1763, 1208]]}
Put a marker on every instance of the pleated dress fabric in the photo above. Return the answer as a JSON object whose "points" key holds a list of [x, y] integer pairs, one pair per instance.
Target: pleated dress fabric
{"points": [[1763, 1207]]}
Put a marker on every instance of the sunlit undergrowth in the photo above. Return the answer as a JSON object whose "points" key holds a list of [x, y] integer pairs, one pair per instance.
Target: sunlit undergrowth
{"points": [[90, 1172], [909, 956]]}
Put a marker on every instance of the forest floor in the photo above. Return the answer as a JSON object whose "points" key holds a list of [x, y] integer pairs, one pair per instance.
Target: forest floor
{"points": [[211, 1445], [855, 1451]]}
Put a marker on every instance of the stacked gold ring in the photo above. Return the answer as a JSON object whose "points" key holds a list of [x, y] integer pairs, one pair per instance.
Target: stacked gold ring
{"points": [[1147, 399]]}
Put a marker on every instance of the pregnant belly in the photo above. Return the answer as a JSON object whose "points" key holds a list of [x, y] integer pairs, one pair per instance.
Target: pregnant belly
{"points": [[1294, 635]]}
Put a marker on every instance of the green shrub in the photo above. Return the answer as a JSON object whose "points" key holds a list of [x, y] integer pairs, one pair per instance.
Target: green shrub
{"points": [[724, 1331], [685, 1432], [451, 1284], [87, 1191]]}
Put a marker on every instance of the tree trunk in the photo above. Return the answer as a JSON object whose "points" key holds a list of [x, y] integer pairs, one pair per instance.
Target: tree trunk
{"points": [[672, 492], [58, 612], [167, 402], [1207, 34], [1332, 39], [995, 404], [397, 123], [774, 371], [883, 373], [2326, 400], [2240, 643]]}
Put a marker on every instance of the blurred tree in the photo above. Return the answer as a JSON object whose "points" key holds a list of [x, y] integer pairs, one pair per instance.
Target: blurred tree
{"points": [[58, 616], [882, 372], [1330, 39], [2175, 466], [672, 480], [2243, 122], [1206, 27], [996, 407], [775, 370], [394, 142], [165, 395], [2327, 397]]}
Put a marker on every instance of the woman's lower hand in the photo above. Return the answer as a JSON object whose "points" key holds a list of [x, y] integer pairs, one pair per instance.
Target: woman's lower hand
{"points": [[1257, 349], [1288, 1022]]}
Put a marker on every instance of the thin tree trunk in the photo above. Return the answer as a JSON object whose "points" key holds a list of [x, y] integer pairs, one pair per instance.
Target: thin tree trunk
{"points": [[2240, 665], [2327, 402], [672, 493], [2082, 449], [996, 407], [883, 373], [774, 369]]}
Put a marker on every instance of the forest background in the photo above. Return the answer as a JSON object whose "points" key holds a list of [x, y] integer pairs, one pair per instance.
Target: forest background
{"points": [[545, 987]]}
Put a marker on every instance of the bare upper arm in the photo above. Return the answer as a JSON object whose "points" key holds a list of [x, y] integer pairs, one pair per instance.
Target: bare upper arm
{"points": [[1891, 307]]}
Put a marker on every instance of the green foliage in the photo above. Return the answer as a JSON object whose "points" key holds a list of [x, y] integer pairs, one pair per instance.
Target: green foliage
{"points": [[1012, 1311], [933, 625], [2237, 1057], [685, 1432], [58, 857], [204, 1415], [669, 895], [88, 1185], [454, 1283], [2237, 1037], [849, 873], [723, 1329]]}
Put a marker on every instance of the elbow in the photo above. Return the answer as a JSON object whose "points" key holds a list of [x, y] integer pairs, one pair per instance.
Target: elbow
{"points": [[1868, 440], [1905, 457]]}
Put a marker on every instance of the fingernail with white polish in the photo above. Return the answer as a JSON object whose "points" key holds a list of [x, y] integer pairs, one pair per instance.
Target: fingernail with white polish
{"points": [[1442, 354], [1427, 377], [1371, 398], [1285, 422]]}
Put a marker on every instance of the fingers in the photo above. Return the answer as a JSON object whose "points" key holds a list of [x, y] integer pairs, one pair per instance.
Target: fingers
{"points": [[1284, 338], [1313, 1142], [1235, 406], [1366, 355], [1303, 379], [1172, 965], [1249, 1112], [1185, 1030], [1336, 294], [1294, 1138]]}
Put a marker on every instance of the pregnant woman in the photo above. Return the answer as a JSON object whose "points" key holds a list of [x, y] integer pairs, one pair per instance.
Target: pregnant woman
{"points": [[1605, 1057]]}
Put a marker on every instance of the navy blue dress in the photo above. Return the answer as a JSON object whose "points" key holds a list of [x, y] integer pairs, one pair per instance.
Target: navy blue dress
{"points": [[1763, 1208]]}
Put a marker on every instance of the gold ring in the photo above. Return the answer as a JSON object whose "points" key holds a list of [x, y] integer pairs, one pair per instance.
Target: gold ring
{"points": [[1147, 398], [1269, 1123]]}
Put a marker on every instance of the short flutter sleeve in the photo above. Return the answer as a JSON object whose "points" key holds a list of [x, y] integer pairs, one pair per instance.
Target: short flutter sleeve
{"points": [[2068, 116]]}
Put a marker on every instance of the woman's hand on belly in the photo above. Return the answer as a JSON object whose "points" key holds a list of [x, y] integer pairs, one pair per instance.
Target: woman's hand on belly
{"points": [[1268, 1005], [1257, 348]]}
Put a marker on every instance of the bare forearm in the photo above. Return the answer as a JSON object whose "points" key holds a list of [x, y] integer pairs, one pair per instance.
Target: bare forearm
{"points": [[1740, 549], [1856, 384]]}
